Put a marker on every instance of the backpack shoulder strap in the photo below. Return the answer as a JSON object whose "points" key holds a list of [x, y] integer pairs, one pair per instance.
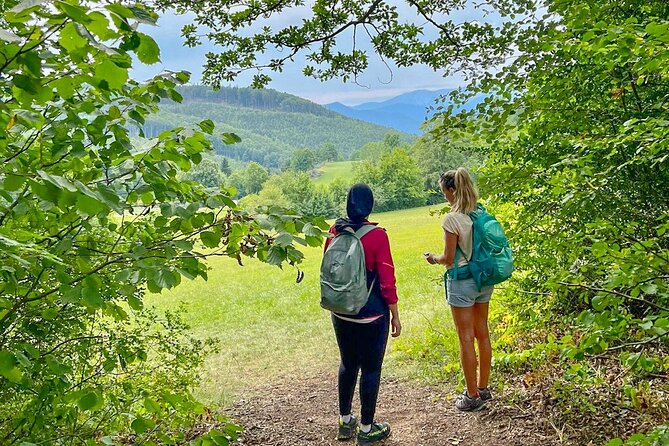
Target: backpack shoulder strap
{"points": [[364, 230]]}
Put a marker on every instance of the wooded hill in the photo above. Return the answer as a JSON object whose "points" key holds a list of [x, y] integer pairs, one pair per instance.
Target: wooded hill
{"points": [[271, 124]]}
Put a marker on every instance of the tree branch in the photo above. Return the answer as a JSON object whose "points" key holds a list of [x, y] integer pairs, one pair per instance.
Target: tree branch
{"points": [[617, 293]]}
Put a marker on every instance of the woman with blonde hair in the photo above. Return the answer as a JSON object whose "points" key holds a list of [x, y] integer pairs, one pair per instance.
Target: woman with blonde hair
{"points": [[469, 304]]}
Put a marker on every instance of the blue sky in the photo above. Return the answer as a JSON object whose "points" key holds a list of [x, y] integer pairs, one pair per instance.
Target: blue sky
{"points": [[378, 83]]}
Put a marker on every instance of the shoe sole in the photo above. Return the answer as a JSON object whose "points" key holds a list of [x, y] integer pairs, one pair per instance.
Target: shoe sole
{"points": [[475, 409], [358, 443], [341, 437]]}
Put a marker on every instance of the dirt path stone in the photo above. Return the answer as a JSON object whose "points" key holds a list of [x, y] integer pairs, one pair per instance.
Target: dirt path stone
{"points": [[303, 411]]}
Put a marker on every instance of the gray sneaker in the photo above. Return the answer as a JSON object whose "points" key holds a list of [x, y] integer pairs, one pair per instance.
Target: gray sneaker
{"points": [[485, 394], [348, 430], [466, 403]]}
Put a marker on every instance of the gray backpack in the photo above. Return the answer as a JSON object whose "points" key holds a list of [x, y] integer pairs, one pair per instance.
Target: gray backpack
{"points": [[343, 273]]}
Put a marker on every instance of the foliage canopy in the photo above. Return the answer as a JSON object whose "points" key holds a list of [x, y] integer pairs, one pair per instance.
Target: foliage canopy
{"points": [[89, 222]]}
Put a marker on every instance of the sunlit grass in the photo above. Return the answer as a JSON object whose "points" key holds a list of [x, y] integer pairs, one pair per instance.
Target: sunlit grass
{"points": [[270, 327], [329, 172]]}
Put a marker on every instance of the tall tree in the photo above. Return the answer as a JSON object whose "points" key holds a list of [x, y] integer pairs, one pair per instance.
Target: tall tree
{"points": [[90, 222]]}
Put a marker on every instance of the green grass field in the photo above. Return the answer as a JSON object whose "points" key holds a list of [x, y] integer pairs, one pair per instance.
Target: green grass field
{"points": [[327, 173], [270, 327]]}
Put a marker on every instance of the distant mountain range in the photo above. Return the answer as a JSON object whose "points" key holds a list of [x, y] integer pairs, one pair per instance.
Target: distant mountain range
{"points": [[271, 124], [404, 113]]}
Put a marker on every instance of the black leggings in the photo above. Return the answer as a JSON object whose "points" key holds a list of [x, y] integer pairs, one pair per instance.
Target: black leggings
{"points": [[361, 346]]}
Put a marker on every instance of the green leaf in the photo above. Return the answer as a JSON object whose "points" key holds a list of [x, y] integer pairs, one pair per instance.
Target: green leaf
{"points": [[65, 87], [58, 181], [599, 249], [276, 255], [75, 12], [649, 288], [141, 425], [135, 303], [230, 138], [50, 314], [311, 230], [166, 278], [70, 39], [151, 406], [88, 205], [147, 51], [120, 10], [26, 83], [91, 400], [13, 182], [210, 239], [284, 239], [207, 126], [109, 74], [599, 302], [92, 298], [57, 367], [7, 362], [26, 4], [99, 26]]}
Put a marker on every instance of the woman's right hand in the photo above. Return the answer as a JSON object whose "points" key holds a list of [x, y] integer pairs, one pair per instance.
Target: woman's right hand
{"points": [[396, 326]]}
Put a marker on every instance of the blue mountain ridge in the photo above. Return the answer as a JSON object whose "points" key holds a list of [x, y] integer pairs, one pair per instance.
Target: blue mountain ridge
{"points": [[405, 112]]}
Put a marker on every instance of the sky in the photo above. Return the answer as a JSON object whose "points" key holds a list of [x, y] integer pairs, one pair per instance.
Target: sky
{"points": [[377, 83]]}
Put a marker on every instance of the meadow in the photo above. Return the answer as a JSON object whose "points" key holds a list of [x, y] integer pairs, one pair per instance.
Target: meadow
{"points": [[269, 327], [328, 172]]}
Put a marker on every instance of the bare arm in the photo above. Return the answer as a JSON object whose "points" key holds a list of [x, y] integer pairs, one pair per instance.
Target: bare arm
{"points": [[396, 326], [448, 256]]}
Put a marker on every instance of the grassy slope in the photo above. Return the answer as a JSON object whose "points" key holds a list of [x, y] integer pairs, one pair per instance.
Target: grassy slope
{"points": [[270, 327], [328, 172]]}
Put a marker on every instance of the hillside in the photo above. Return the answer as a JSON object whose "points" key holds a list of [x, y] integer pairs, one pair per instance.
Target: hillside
{"points": [[404, 113], [271, 124]]}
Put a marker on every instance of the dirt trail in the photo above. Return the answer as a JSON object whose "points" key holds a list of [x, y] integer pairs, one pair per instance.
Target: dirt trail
{"points": [[304, 412]]}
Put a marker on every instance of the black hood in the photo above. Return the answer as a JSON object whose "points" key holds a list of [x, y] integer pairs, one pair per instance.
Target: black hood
{"points": [[359, 204]]}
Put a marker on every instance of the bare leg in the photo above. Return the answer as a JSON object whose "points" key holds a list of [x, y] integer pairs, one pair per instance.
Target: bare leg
{"points": [[482, 336], [464, 323]]}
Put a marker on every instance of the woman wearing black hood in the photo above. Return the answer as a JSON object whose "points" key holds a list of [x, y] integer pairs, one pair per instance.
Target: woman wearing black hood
{"points": [[362, 338]]}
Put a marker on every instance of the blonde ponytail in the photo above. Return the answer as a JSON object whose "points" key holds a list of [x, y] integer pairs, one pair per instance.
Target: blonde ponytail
{"points": [[465, 193]]}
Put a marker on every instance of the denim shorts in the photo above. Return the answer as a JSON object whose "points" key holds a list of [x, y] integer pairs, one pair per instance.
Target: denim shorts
{"points": [[464, 293]]}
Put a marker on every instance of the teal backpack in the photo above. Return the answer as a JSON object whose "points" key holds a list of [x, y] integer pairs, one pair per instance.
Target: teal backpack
{"points": [[492, 259], [344, 274]]}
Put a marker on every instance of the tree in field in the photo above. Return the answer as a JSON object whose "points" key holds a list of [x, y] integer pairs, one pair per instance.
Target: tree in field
{"points": [[328, 153], [207, 173], [575, 122], [395, 180], [302, 160], [89, 222], [250, 179]]}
